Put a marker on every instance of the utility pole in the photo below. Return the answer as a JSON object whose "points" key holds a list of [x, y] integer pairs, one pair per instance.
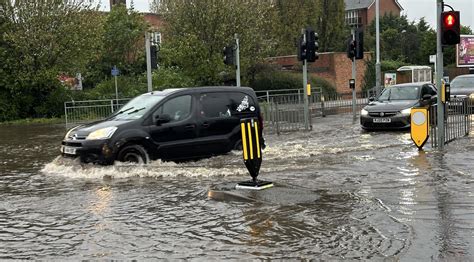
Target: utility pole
{"points": [[353, 77], [439, 76], [377, 37], [237, 59], [148, 61]]}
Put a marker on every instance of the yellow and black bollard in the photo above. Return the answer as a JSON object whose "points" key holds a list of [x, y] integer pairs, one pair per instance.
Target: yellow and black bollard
{"points": [[252, 154], [420, 124]]}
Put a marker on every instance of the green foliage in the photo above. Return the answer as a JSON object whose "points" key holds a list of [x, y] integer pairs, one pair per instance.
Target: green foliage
{"points": [[123, 37], [170, 77], [127, 86], [198, 30], [40, 40]]}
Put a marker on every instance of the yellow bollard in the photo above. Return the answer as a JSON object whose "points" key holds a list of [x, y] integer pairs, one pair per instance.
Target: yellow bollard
{"points": [[420, 123], [252, 154]]}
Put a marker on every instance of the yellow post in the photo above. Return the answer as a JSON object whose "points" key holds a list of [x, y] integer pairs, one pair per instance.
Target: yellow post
{"points": [[443, 91], [308, 89], [420, 123]]}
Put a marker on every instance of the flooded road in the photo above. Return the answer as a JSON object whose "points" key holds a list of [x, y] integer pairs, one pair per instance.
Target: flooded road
{"points": [[340, 193]]}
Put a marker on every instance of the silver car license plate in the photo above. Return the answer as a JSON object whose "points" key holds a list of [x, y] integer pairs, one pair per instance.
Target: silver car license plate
{"points": [[382, 120], [68, 150]]}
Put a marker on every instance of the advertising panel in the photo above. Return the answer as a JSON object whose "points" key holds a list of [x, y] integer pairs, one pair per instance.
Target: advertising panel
{"points": [[390, 79], [465, 51]]}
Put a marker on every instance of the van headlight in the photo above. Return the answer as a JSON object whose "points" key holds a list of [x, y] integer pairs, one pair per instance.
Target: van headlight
{"points": [[69, 132], [364, 112], [406, 112], [102, 133], [471, 96]]}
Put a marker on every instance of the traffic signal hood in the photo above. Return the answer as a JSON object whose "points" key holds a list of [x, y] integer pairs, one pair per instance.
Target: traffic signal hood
{"points": [[229, 55], [359, 44], [450, 28], [154, 56], [351, 47]]}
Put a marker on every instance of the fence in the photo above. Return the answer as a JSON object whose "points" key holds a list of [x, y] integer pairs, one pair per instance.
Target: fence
{"points": [[457, 120], [77, 112], [283, 110]]}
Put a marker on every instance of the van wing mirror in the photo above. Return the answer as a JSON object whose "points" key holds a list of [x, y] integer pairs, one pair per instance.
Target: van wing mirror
{"points": [[426, 97], [161, 119], [372, 99]]}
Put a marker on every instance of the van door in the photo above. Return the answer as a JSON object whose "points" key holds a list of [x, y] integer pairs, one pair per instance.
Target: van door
{"points": [[175, 139], [219, 120]]}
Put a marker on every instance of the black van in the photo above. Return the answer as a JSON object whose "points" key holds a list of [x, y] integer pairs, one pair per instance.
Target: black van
{"points": [[174, 124]]}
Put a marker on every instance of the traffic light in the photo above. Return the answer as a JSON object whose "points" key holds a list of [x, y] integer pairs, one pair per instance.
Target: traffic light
{"points": [[154, 56], [351, 48], [308, 49], [359, 43], [450, 28], [301, 49], [229, 56], [312, 45]]}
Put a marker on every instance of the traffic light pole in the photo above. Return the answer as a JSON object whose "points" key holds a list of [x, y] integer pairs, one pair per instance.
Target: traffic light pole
{"points": [[148, 61], [439, 76], [353, 77], [237, 59], [377, 45], [305, 82]]}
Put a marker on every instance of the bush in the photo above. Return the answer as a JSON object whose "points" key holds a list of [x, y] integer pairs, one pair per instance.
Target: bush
{"points": [[170, 77], [127, 86]]}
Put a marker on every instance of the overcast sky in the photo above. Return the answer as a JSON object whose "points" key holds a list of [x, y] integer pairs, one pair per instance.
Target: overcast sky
{"points": [[414, 9]]}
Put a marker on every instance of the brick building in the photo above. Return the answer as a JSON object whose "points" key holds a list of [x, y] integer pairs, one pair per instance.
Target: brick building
{"points": [[361, 13], [336, 68]]}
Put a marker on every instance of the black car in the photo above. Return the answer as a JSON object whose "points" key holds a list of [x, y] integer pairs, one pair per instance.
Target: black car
{"points": [[174, 124], [462, 86], [391, 110]]}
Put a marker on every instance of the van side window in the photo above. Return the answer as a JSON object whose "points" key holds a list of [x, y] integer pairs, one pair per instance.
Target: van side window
{"points": [[215, 105], [226, 104], [177, 108]]}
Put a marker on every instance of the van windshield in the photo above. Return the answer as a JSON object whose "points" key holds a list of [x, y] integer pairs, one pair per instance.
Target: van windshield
{"points": [[136, 107]]}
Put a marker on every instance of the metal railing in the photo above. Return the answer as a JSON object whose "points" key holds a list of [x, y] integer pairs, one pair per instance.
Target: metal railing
{"points": [[77, 112], [457, 120], [283, 110]]}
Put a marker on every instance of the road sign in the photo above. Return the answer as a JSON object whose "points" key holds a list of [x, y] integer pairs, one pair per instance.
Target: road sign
{"points": [[115, 71]]}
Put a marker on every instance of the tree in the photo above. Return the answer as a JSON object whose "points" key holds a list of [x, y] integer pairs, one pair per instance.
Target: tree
{"points": [[198, 30], [330, 25], [124, 32], [41, 40]]}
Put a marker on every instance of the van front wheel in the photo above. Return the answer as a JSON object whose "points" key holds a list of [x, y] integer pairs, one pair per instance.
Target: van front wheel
{"points": [[133, 154]]}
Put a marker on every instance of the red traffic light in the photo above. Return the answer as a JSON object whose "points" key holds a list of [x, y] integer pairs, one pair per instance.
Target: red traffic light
{"points": [[450, 28], [449, 20]]}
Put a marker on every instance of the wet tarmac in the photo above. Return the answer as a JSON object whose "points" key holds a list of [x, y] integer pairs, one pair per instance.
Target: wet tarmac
{"points": [[340, 193]]}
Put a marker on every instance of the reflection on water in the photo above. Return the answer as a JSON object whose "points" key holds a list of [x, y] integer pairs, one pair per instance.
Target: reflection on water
{"points": [[378, 197]]}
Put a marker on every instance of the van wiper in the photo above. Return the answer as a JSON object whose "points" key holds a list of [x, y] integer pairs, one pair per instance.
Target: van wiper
{"points": [[136, 110], [125, 110]]}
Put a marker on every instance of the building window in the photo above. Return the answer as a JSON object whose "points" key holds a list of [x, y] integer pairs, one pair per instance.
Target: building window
{"points": [[353, 17]]}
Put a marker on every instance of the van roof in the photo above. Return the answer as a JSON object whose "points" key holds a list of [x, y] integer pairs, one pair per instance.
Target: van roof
{"points": [[199, 89]]}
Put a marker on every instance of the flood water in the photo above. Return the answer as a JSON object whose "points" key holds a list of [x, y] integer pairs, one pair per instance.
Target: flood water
{"points": [[349, 194]]}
